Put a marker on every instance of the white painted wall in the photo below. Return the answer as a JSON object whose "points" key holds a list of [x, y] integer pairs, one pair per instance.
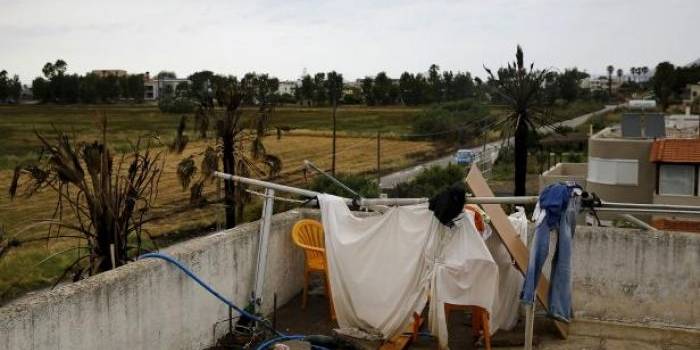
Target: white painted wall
{"points": [[150, 304]]}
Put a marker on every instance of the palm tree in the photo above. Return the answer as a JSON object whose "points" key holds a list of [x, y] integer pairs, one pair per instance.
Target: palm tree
{"points": [[633, 71], [101, 199], [619, 74], [644, 70], [611, 69], [522, 91], [334, 87], [239, 147]]}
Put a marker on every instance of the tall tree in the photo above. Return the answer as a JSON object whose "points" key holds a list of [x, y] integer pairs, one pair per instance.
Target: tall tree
{"points": [[306, 91], [521, 89], [663, 81], [620, 73], [164, 74], [319, 89], [435, 83], [334, 91], [368, 91], [611, 69]]}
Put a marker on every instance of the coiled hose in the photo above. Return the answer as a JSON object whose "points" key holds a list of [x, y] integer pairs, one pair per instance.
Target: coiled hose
{"points": [[264, 345]]}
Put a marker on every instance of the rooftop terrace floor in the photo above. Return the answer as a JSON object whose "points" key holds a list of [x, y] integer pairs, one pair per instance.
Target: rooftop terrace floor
{"points": [[584, 334]]}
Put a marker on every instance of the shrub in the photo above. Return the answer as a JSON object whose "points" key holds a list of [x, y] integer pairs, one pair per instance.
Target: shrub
{"points": [[430, 182], [453, 122], [179, 104], [362, 184]]}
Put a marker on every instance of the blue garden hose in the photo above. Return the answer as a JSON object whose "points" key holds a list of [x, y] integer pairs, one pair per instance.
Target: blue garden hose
{"points": [[280, 336]]}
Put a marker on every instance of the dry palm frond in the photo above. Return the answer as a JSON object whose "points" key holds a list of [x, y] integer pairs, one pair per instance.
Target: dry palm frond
{"points": [[240, 150], [185, 171], [210, 163], [107, 205], [181, 140]]}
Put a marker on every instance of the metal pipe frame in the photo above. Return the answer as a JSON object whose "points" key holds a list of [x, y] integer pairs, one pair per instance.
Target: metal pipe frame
{"points": [[642, 211], [639, 223], [372, 201], [313, 166], [625, 208]]}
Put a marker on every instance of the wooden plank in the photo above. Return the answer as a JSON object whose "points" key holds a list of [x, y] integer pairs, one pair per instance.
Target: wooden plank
{"points": [[401, 341], [507, 233]]}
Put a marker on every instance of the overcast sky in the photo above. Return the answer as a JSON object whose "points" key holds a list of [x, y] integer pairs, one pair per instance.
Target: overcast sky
{"points": [[353, 37]]}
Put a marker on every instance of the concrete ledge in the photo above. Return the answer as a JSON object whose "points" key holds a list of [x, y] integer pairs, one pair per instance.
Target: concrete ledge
{"points": [[638, 277], [625, 331], [151, 305]]}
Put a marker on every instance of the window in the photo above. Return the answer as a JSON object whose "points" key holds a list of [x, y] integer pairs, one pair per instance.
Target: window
{"points": [[613, 171], [678, 180]]}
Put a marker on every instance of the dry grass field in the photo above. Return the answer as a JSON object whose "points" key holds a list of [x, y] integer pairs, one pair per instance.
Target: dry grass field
{"points": [[24, 268]]}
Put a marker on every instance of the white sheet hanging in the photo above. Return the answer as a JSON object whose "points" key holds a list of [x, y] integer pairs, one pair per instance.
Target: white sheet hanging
{"points": [[510, 280], [464, 274], [381, 267]]}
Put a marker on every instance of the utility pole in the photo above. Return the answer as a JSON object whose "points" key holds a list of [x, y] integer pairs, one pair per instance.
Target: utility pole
{"points": [[379, 157]]}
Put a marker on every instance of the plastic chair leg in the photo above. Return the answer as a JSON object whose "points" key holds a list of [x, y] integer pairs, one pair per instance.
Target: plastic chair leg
{"points": [[305, 293]]}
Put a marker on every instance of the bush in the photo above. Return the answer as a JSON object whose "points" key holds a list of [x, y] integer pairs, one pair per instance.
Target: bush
{"points": [[430, 182], [453, 122], [352, 99], [362, 184], [180, 104]]}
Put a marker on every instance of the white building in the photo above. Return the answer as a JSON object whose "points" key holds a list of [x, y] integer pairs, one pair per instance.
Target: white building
{"points": [[287, 87], [154, 88]]}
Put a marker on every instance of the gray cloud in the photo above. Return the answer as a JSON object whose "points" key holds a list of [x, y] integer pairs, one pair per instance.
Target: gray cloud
{"points": [[353, 37]]}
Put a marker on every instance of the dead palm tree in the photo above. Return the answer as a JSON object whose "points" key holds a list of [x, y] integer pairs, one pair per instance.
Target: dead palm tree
{"points": [[100, 200], [239, 146], [522, 90]]}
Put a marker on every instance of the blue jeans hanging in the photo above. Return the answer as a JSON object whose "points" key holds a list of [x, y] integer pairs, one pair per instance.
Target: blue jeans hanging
{"points": [[560, 279]]}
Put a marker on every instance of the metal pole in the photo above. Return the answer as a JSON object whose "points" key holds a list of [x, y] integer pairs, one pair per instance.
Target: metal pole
{"points": [[267, 184], [379, 153], [638, 222], [311, 165], [372, 201], [263, 241], [650, 211], [649, 206], [630, 208]]}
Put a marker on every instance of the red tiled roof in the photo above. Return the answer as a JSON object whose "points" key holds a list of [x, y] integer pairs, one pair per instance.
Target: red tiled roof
{"points": [[676, 151], [676, 225]]}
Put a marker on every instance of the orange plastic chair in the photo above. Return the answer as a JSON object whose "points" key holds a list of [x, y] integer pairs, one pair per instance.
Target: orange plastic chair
{"points": [[480, 321], [308, 234]]}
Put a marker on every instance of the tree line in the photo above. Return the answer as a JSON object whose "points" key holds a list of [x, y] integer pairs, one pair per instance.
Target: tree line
{"points": [[57, 86], [10, 88], [669, 82]]}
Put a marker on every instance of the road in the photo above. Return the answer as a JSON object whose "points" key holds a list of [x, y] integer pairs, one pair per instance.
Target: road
{"points": [[391, 180]]}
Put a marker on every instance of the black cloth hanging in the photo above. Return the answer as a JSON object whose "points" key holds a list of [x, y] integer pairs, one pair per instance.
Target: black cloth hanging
{"points": [[448, 204]]}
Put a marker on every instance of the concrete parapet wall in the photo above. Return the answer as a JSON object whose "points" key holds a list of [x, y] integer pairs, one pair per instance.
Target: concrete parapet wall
{"points": [[150, 304], [641, 277], [622, 275]]}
